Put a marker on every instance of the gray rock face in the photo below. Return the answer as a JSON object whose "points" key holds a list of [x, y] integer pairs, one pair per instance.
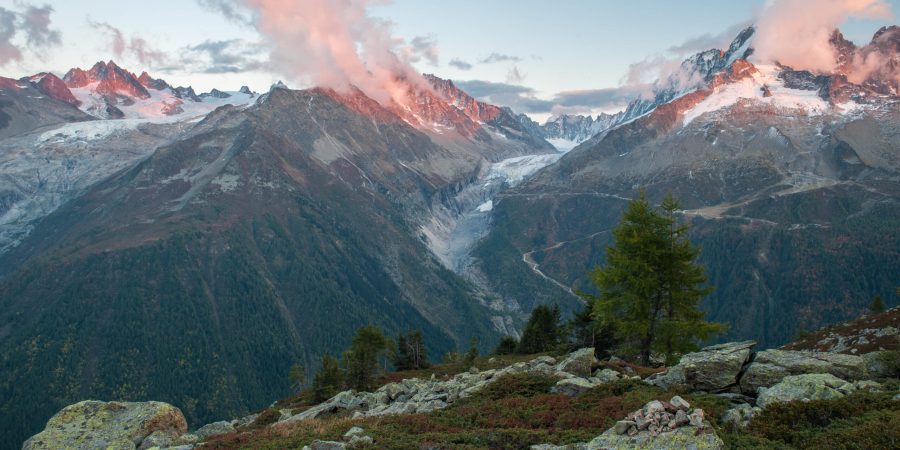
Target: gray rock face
{"points": [[815, 386], [711, 369], [771, 366], [578, 363]]}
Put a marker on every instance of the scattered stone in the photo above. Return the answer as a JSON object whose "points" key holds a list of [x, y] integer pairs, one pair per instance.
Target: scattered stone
{"points": [[578, 363], [244, 421], [869, 385], [622, 426], [327, 445], [157, 438], [606, 375], [740, 416], [359, 441], [96, 424], [817, 386], [680, 403], [573, 386], [653, 407], [214, 429], [355, 431]]}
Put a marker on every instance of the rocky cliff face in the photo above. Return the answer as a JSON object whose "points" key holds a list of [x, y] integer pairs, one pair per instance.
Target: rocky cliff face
{"points": [[110, 79]]}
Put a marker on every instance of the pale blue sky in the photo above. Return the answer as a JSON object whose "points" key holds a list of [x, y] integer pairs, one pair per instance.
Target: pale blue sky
{"points": [[557, 45]]}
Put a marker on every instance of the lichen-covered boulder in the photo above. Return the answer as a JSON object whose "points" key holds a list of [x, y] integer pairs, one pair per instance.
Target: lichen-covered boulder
{"points": [[108, 425], [711, 369], [578, 363], [573, 386], [607, 375], [812, 386], [883, 364], [771, 366], [688, 437]]}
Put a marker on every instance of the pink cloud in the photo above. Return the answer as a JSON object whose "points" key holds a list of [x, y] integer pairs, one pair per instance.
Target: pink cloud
{"points": [[797, 32], [335, 44]]}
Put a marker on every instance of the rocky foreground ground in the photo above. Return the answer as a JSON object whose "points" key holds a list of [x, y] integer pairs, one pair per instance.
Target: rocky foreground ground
{"points": [[736, 381]]}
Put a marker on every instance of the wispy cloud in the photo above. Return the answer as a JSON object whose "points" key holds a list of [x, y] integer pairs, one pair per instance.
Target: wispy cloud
{"points": [[422, 48], [460, 64], [499, 58], [519, 98], [131, 47], [514, 75], [31, 24], [221, 56]]}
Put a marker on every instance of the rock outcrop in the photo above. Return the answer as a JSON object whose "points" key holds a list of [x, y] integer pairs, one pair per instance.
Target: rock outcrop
{"points": [[771, 366], [713, 368], [109, 425], [815, 386], [419, 396]]}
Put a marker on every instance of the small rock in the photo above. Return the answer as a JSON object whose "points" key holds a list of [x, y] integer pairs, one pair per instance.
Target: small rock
{"points": [[355, 431], [578, 363], [214, 429], [327, 445], [606, 375], [653, 407], [573, 386], [740, 416], [622, 426], [681, 418], [358, 441], [680, 403]]}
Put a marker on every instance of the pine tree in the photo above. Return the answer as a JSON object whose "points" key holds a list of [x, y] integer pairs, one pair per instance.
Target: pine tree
{"points": [[471, 353], [542, 332], [588, 332], [297, 375], [506, 346], [402, 359], [650, 286], [361, 360], [411, 353], [329, 380], [877, 305]]}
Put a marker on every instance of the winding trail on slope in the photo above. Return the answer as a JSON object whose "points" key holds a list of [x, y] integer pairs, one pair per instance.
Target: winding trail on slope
{"points": [[536, 268]]}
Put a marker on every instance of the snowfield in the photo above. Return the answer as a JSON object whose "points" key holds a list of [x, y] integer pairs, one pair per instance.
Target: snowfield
{"points": [[751, 88]]}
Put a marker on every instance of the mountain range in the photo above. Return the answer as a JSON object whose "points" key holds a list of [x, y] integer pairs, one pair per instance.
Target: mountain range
{"points": [[160, 244]]}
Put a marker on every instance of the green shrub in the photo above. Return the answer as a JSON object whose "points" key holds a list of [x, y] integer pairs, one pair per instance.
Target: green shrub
{"points": [[862, 420]]}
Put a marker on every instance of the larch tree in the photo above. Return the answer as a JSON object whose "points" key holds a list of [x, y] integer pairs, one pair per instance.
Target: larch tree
{"points": [[651, 286]]}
